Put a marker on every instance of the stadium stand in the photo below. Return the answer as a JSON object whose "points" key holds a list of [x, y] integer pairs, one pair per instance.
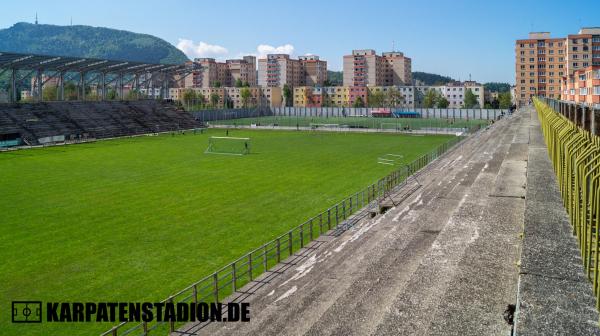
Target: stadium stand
{"points": [[39, 123]]}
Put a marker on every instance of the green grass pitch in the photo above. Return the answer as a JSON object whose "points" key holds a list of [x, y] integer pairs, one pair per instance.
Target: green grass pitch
{"points": [[376, 123], [137, 219]]}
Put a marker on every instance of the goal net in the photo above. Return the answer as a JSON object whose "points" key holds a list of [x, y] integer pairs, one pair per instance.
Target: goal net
{"points": [[390, 126], [315, 126], [228, 145]]}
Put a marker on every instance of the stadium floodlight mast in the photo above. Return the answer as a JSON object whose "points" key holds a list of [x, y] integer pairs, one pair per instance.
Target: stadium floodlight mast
{"points": [[228, 146]]}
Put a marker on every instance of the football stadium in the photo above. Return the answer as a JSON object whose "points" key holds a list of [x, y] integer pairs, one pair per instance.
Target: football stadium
{"points": [[266, 195]]}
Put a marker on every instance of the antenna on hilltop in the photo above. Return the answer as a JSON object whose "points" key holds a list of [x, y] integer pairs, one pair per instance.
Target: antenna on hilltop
{"points": [[36, 20], [393, 45]]}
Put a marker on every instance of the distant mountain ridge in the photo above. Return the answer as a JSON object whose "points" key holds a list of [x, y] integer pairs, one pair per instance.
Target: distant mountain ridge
{"points": [[87, 41]]}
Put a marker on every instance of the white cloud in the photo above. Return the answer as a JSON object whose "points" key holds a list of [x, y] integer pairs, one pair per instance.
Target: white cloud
{"points": [[201, 49], [263, 49]]}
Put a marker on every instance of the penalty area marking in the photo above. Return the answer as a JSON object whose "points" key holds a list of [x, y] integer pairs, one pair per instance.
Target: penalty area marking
{"points": [[389, 159]]}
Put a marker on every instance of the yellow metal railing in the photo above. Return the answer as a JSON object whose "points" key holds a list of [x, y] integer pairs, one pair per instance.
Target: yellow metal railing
{"points": [[575, 154]]}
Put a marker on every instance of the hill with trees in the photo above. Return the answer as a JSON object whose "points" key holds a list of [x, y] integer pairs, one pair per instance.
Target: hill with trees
{"points": [[86, 41], [431, 79], [496, 87]]}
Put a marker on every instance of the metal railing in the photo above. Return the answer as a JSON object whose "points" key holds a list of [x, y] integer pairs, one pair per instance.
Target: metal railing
{"points": [[575, 154], [230, 278]]}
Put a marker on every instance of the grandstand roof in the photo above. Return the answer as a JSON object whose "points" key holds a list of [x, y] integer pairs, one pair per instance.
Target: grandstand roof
{"points": [[17, 61]]}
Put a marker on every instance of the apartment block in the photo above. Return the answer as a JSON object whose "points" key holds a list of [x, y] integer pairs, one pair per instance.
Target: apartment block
{"points": [[453, 92], [346, 96], [583, 49], [542, 61], [583, 86], [232, 96], [540, 65], [336, 96], [405, 95], [226, 73], [277, 70], [366, 68], [315, 70]]}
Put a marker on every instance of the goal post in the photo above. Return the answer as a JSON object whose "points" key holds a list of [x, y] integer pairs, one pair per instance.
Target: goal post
{"points": [[228, 145], [315, 126], [390, 126]]}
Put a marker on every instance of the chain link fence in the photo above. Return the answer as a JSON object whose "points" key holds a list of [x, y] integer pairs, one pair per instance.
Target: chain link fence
{"points": [[230, 278]]}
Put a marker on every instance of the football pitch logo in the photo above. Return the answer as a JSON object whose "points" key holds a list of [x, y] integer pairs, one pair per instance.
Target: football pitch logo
{"points": [[27, 312]]}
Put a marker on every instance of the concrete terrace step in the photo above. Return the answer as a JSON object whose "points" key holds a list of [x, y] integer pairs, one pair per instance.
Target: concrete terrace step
{"points": [[443, 261], [554, 297]]}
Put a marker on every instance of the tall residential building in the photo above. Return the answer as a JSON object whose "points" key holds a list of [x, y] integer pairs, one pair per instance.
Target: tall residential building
{"points": [[540, 64], [226, 73], [315, 70], [583, 86], [366, 68], [583, 49], [276, 70]]}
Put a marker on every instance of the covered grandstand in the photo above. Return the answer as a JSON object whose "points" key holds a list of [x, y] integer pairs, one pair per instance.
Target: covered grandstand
{"points": [[44, 122], [101, 73]]}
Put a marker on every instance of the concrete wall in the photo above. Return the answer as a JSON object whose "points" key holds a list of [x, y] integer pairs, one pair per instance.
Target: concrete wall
{"points": [[485, 114]]}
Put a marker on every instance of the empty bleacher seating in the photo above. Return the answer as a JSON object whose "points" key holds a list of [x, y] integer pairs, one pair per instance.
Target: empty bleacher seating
{"points": [[102, 119]]}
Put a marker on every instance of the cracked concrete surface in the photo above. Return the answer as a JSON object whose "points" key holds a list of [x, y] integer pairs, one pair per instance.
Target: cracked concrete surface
{"points": [[443, 261]]}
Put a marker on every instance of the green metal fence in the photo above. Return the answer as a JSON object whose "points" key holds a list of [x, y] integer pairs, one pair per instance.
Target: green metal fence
{"points": [[575, 154], [230, 278]]}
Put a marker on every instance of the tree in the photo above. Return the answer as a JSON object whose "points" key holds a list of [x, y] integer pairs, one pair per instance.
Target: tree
{"points": [[200, 100], [238, 83], [287, 95], [214, 99], [376, 98], [71, 91], [393, 97], [188, 97], [358, 102], [111, 94], [245, 95], [325, 99], [334, 78], [443, 102], [217, 84], [470, 99], [431, 98], [419, 97], [92, 95], [431, 79], [495, 103], [49, 92], [496, 87], [246, 84], [505, 100], [133, 94], [228, 103]]}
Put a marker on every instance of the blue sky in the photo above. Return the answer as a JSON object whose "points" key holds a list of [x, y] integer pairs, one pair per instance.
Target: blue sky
{"points": [[454, 38]]}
